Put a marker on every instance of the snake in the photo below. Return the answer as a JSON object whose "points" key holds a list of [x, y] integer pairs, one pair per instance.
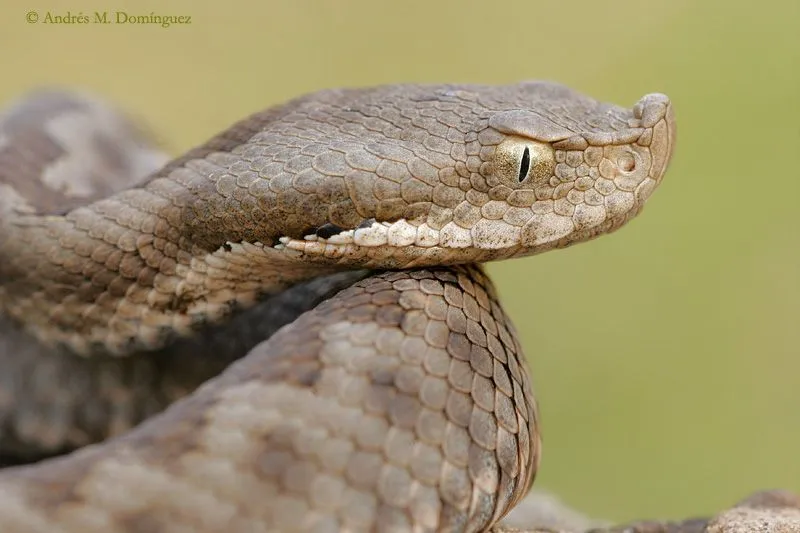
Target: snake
{"points": [[289, 327]]}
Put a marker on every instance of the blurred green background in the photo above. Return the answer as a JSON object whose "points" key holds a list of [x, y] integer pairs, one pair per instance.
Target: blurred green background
{"points": [[666, 356]]}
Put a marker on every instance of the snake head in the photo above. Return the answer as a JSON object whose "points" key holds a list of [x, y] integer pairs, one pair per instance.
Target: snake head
{"points": [[471, 173]]}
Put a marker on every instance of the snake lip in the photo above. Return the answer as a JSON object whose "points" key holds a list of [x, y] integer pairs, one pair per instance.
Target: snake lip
{"points": [[404, 243], [369, 233], [329, 229]]}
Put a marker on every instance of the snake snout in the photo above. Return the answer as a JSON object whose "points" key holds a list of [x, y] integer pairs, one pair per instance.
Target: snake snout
{"points": [[656, 114]]}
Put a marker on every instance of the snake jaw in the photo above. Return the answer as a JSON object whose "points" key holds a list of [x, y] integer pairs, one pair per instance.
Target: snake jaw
{"points": [[405, 244], [399, 244], [371, 234]]}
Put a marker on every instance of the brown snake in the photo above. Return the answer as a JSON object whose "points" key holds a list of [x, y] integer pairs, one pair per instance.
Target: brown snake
{"points": [[393, 400]]}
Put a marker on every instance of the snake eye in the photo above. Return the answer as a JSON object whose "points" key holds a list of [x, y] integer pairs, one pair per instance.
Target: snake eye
{"points": [[525, 164], [524, 160]]}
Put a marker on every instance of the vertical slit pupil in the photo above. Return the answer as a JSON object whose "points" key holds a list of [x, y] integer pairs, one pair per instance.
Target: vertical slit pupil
{"points": [[525, 164]]}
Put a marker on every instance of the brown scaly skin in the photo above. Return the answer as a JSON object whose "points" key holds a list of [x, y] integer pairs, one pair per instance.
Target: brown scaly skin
{"points": [[402, 401], [52, 402], [131, 270]]}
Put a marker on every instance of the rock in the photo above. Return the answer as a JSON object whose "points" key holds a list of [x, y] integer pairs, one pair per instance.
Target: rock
{"points": [[693, 525], [773, 511], [543, 512], [763, 512]]}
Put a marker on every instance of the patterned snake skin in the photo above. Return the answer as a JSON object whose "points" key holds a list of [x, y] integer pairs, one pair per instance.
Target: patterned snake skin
{"points": [[320, 258]]}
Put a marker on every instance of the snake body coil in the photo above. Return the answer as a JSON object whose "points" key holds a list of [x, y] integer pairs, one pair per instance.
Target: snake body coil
{"points": [[396, 397]]}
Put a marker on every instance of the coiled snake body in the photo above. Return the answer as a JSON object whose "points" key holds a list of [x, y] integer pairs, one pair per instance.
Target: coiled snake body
{"points": [[396, 397]]}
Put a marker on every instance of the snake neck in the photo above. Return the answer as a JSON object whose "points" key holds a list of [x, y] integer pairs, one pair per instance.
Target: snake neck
{"points": [[129, 273]]}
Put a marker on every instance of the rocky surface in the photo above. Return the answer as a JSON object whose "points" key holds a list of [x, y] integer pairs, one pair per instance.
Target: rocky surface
{"points": [[773, 511]]}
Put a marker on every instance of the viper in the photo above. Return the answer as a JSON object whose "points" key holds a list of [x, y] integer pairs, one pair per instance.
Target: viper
{"points": [[323, 258]]}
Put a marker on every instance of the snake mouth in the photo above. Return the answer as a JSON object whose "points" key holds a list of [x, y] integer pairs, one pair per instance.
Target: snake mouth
{"points": [[398, 244], [329, 238]]}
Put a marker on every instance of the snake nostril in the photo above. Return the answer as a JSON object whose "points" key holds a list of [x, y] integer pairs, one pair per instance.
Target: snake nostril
{"points": [[626, 162]]}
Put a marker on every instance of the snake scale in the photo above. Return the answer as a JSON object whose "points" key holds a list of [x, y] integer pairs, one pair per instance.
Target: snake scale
{"points": [[323, 257]]}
